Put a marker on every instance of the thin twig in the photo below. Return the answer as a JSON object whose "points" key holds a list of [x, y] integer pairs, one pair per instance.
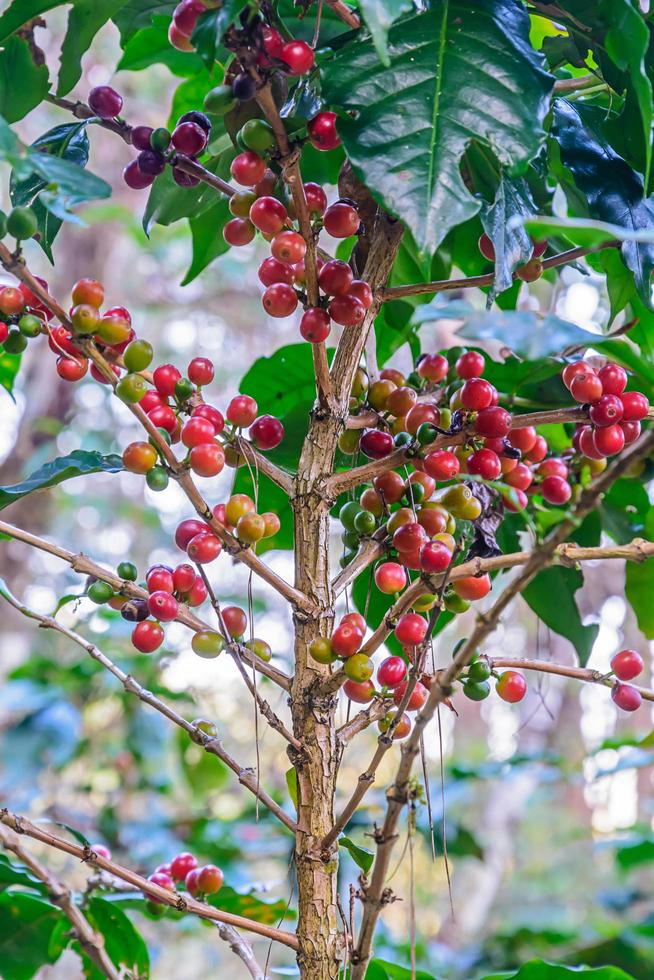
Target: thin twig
{"points": [[241, 948]]}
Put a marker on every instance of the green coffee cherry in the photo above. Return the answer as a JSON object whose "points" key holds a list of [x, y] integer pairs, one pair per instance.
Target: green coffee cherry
{"points": [[160, 139], [479, 671], [476, 692], [157, 478], [29, 325], [184, 389], [454, 603], [16, 342], [426, 434], [365, 522], [128, 571], [3, 224], [131, 388], [260, 649], [138, 356], [219, 100], [99, 592], [22, 223], [350, 539], [257, 135], [347, 514], [207, 644]]}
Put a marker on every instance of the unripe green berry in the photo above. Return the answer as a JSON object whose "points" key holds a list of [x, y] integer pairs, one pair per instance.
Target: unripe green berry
{"points": [[365, 522], [128, 571], [22, 223], [257, 135], [348, 512], [15, 342], [99, 592], [29, 325], [207, 644], [160, 139], [479, 671], [219, 100], [184, 389], [138, 356], [3, 224], [131, 388], [157, 478], [476, 692]]}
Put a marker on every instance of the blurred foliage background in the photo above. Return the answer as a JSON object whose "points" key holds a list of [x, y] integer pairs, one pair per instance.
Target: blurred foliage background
{"points": [[74, 748]]}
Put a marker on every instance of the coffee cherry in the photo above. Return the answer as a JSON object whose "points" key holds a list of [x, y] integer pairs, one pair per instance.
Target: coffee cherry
{"points": [[113, 329], [376, 444], [134, 176], [244, 87], [347, 311], [272, 270], [322, 131], [88, 291], [299, 57], [609, 440], [163, 881], [635, 406], [631, 431], [71, 369], [235, 621], [626, 696], [479, 671], [361, 693], [411, 629], [279, 300], [470, 365], [335, 278], [530, 271], [359, 668], [207, 459], [242, 411], [315, 325], [159, 578], [556, 490], [441, 464], [553, 467], [493, 422], [346, 640], [402, 728], [409, 537], [417, 698], [147, 636], [613, 378], [341, 220], [247, 168], [606, 410], [191, 882], [391, 672], [315, 197], [250, 528], [210, 879], [390, 578], [238, 505], [585, 387], [197, 431], [435, 557], [12, 301], [187, 530], [204, 548], [163, 417], [207, 644], [272, 524], [627, 664], [520, 477], [472, 587], [99, 592], [105, 101], [321, 651], [484, 463], [165, 378], [476, 690], [157, 478], [257, 135], [238, 232], [511, 686], [266, 432], [419, 415], [288, 246], [139, 457], [476, 394], [268, 215], [184, 862]]}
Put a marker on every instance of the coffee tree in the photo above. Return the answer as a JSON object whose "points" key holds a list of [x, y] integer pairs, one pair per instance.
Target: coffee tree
{"points": [[389, 158]]}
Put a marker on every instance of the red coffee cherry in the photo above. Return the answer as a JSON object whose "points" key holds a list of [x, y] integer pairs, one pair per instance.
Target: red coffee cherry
{"points": [[298, 56], [315, 197], [420, 414], [511, 686], [315, 325], [147, 636], [613, 378], [493, 422], [586, 387], [191, 882], [135, 178], [587, 443], [272, 41], [288, 246], [185, 17], [322, 131], [268, 215], [626, 696], [484, 463], [361, 693], [470, 365], [72, 368], [242, 411], [187, 530], [163, 417], [631, 431], [238, 232], [523, 438], [390, 578], [556, 490], [204, 548], [347, 310], [335, 278], [411, 629], [361, 291], [627, 664], [197, 594], [207, 460], [182, 864], [183, 578], [553, 467], [442, 464], [163, 881], [472, 587], [390, 486], [520, 477], [341, 220], [539, 451], [105, 101], [201, 371], [376, 444], [357, 620], [272, 270], [163, 606], [210, 879], [417, 698], [165, 378], [609, 440], [476, 394], [635, 406], [346, 640], [197, 431], [486, 247], [159, 578], [189, 138], [279, 300], [235, 620], [391, 672], [266, 432], [435, 557], [212, 415], [248, 168], [606, 410], [434, 367]]}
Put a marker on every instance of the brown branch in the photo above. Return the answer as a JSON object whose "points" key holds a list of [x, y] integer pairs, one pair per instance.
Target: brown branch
{"points": [[375, 895], [209, 743], [183, 903], [445, 285], [241, 948], [563, 670], [83, 565], [369, 551], [264, 465], [345, 13], [362, 720], [91, 942]]}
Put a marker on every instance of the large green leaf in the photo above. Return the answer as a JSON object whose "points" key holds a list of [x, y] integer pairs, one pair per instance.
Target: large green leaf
{"points": [[409, 123], [613, 190], [150, 46], [85, 19], [9, 367], [124, 944], [551, 596], [207, 235], [78, 463], [512, 244], [136, 14], [211, 26], [20, 11], [12, 873], [383, 970], [250, 905], [23, 84], [27, 924], [282, 381], [543, 970]]}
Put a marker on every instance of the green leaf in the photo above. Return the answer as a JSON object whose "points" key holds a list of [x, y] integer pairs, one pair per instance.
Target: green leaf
{"points": [[282, 381], [250, 905], [211, 27], [77, 463], [23, 84], [12, 873], [409, 123], [636, 852], [136, 14], [543, 970], [207, 235], [124, 944], [585, 231], [361, 856], [20, 11], [168, 202], [85, 19], [150, 46], [10, 145], [639, 588], [379, 16], [291, 785], [551, 596], [383, 970], [9, 367], [512, 244], [26, 931], [614, 191]]}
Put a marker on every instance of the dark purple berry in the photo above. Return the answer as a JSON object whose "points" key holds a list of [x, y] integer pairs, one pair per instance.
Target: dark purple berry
{"points": [[244, 88], [141, 137], [105, 101], [135, 610], [199, 118], [184, 179], [189, 138], [151, 163], [134, 178]]}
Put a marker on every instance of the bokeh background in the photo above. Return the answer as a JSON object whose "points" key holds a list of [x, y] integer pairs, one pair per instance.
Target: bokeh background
{"points": [[545, 808]]}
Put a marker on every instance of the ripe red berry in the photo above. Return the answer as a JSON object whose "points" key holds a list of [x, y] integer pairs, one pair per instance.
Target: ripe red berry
{"points": [[235, 621], [322, 131], [272, 41], [279, 300], [183, 578], [361, 291], [357, 620], [187, 530], [361, 693], [197, 594], [299, 57], [627, 664], [147, 636], [163, 606], [376, 444], [197, 431], [182, 864], [538, 452], [212, 415], [165, 378], [341, 220], [191, 882], [442, 464], [204, 547], [390, 486], [72, 368], [105, 101], [635, 406], [242, 411], [472, 587], [570, 371], [210, 879], [201, 371], [163, 880], [135, 178], [476, 394], [409, 537], [159, 578], [315, 325], [587, 443], [417, 697], [335, 278], [391, 672], [411, 629], [435, 557], [346, 640], [248, 168], [434, 367], [511, 686], [586, 387], [266, 432], [609, 440], [207, 459], [553, 467], [470, 365], [493, 422], [238, 232], [185, 17], [486, 247], [606, 410], [268, 215], [556, 490], [315, 197], [626, 697], [288, 246], [613, 378], [484, 463], [390, 577], [631, 431], [519, 478], [189, 138], [347, 310], [523, 438], [163, 417], [272, 270]]}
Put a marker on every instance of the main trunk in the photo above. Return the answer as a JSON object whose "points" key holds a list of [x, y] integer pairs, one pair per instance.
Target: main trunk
{"points": [[313, 716]]}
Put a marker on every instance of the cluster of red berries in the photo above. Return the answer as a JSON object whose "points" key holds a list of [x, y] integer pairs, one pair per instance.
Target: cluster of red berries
{"points": [[22, 316], [626, 665], [615, 414], [198, 881]]}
